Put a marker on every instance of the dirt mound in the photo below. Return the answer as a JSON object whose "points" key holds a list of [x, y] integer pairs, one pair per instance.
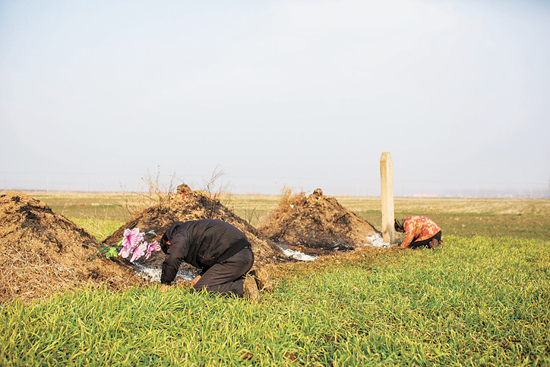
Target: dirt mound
{"points": [[189, 205], [316, 224], [42, 252]]}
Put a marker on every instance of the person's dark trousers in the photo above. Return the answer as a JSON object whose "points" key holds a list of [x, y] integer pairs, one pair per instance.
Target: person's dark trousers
{"points": [[227, 277], [426, 242]]}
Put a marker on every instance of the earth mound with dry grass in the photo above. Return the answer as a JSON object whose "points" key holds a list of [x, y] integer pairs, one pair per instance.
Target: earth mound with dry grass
{"points": [[42, 252], [316, 224], [189, 205]]}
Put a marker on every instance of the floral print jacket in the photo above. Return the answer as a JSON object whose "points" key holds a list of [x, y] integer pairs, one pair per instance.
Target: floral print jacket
{"points": [[418, 228]]}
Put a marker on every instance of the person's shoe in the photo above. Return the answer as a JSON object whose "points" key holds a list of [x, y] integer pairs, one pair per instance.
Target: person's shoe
{"points": [[250, 289], [265, 283], [434, 243]]}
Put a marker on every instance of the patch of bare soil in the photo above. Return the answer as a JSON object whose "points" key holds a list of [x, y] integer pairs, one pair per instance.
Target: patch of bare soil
{"points": [[42, 252], [189, 205], [316, 224]]}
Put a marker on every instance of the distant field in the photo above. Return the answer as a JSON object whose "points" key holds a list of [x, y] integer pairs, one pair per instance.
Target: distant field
{"points": [[518, 218]]}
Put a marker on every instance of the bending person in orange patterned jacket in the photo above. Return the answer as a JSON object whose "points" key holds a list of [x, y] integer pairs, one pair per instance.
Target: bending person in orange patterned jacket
{"points": [[419, 231]]}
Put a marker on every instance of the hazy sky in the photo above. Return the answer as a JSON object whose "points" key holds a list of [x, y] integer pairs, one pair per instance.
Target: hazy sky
{"points": [[96, 94]]}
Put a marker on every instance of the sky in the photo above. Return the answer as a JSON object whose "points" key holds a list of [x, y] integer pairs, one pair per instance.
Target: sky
{"points": [[102, 95]]}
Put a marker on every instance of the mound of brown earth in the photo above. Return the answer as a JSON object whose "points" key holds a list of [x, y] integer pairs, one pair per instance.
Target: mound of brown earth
{"points": [[316, 224], [42, 252], [189, 205]]}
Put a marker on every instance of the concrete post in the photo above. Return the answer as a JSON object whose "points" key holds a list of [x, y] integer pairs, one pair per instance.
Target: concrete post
{"points": [[386, 180]]}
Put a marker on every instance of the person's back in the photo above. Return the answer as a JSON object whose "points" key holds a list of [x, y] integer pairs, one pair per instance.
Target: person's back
{"points": [[220, 250], [208, 240], [419, 231]]}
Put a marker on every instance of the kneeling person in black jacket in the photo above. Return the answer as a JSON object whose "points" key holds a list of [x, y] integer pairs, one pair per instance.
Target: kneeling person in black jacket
{"points": [[218, 248]]}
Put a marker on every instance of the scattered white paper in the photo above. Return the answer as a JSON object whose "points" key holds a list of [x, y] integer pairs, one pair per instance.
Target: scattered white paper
{"points": [[153, 274], [376, 241], [298, 255]]}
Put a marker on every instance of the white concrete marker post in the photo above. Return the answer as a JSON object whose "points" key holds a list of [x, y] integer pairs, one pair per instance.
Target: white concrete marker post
{"points": [[386, 180]]}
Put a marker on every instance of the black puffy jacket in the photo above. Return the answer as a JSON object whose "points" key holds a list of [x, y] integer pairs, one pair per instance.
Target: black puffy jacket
{"points": [[198, 242]]}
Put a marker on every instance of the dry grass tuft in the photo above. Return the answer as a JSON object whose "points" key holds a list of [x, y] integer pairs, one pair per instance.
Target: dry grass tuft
{"points": [[156, 193]]}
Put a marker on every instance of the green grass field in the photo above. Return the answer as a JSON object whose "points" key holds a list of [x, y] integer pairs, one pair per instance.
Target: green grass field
{"points": [[482, 299]]}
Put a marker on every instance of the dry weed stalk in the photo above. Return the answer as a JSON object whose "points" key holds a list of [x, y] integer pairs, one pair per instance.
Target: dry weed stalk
{"points": [[210, 184], [251, 215], [157, 193], [215, 191], [285, 206]]}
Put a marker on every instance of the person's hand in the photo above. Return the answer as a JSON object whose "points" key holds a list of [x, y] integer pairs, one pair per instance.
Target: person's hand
{"points": [[194, 281], [164, 287]]}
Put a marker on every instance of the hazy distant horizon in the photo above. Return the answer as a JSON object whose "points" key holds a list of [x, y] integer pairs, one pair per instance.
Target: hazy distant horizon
{"points": [[223, 183], [307, 94]]}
